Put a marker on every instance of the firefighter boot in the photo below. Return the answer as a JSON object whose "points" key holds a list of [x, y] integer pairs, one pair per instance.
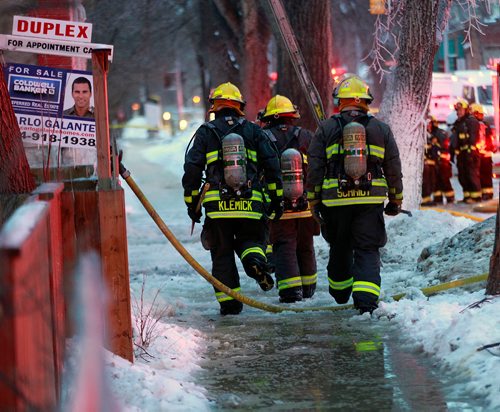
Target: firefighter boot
{"points": [[259, 270], [291, 295], [308, 290], [364, 302], [230, 307]]}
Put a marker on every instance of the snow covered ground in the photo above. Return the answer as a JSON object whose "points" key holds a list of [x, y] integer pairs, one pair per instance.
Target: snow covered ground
{"points": [[442, 326]]}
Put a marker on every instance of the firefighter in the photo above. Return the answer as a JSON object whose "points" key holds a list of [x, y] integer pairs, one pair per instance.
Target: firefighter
{"points": [[291, 236], [231, 154], [441, 143], [353, 164], [486, 147], [429, 186], [464, 140]]}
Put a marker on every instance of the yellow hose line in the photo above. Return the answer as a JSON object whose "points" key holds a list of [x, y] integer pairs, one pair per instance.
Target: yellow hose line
{"points": [[454, 213], [245, 299], [432, 290]]}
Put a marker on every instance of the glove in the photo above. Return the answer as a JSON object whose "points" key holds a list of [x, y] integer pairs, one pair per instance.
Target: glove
{"points": [[277, 206], [392, 208], [316, 207], [302, 203], [194, 215]]}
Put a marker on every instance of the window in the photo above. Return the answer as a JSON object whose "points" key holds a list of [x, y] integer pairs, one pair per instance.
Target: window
{"points": [[485, 95], [468, 94]]}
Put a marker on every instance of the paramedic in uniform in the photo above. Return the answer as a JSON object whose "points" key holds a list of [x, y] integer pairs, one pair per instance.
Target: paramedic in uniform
{"points": [[224, 149], [352, 209]]}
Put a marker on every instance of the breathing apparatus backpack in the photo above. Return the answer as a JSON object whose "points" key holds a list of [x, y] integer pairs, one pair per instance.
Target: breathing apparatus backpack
{"points": [[292, 172], [234, 183], [234, 159], [353, 171]]}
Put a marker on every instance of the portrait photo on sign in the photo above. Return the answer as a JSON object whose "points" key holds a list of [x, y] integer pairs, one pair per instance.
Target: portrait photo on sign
{"points": [[78, 97]]}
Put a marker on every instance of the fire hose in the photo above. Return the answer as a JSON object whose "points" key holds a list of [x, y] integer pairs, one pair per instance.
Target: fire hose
{"points": [[126, 175]]}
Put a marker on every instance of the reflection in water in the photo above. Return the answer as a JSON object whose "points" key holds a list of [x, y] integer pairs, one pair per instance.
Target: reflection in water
{"points": [[314, 362]]}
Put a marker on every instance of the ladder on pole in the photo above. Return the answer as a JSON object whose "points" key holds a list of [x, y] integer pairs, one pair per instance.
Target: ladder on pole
{"points": [[290, 43]]}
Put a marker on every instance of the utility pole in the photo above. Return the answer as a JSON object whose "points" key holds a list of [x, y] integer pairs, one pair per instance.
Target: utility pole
{"points": [[179, 91], [446, 51]]}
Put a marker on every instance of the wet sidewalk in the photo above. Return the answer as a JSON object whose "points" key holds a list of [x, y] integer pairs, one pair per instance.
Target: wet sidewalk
{"points": [[319, 362]]}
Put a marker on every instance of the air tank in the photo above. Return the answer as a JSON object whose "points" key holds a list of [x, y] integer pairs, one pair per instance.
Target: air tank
{"points": [[354, 141], [235, 163], [291, 172]]}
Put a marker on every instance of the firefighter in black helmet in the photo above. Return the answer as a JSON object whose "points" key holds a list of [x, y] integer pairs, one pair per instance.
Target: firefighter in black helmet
{"points": [[231, 154], [353, 165], [291, 236]]}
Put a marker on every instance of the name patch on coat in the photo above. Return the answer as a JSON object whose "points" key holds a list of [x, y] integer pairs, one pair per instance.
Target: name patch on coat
{"points": [[353, 193], [245, 205]]}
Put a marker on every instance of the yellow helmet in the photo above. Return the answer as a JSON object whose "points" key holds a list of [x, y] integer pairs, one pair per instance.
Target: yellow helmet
{"points": [[353, 87], [461, 102], [280, 106], [432, 119], [339, 80], [226, 91], [476, 108]]}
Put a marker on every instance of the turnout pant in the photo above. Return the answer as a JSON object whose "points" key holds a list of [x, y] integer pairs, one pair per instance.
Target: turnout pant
{"points": [[486, 173], [468, 165], [428, 182], [294, 257], [356, 233], [224, 238], [443, 183]]}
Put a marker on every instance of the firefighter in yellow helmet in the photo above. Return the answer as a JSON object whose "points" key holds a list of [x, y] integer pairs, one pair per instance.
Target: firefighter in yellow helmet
{"points": [[464, 140], [230, 154], [354, 165], [291, 236], [486, 147], [338, 82]]}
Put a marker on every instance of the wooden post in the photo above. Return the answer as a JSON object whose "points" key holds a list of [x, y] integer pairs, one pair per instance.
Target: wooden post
{"points": [[114, 261], [52, 192], [100, 67], [112, 228]]}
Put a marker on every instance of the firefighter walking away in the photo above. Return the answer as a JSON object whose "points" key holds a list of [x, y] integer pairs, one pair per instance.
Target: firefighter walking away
{"points": [[292, 236], [231, 154], [354, 164]]}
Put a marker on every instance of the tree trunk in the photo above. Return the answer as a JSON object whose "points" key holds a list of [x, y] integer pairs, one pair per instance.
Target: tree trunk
{"points": [[311, 24], [15, 176], [255, 78], [219, 33], [493, 285], [406, 98]]}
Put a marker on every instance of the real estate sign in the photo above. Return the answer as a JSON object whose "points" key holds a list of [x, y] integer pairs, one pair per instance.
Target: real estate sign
{"points": [[44, 105]]}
